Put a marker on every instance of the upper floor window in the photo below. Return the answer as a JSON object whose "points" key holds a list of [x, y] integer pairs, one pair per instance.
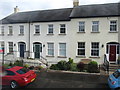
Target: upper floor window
{"points": [[50, 29], [21, 29], [10, 30], [37, 29], [2, 30], [10, 47], [81, 49], [113, 26], [81, 26], [50, 49], [62, 49], [2, 44], [95, 49], [62, 29], [95, 26]]}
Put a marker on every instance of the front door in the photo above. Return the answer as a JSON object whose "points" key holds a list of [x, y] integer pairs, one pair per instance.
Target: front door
{"points": [[37, 50], [112, 53], [22, 49]]}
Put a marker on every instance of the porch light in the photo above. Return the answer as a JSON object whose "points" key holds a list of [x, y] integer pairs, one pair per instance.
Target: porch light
{"points": [[102, 45], [44, 45]]}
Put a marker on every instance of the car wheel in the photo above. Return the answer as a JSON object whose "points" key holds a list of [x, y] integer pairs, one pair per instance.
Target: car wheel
{"points": [[14, 84]]}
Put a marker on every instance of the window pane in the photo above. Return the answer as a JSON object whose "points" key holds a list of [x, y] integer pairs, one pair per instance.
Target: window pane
{"points": [[10, 30], [113, 25], [21, 29], [51, 49], [81, 26], [50, 28], [95, 49], [62, 28], [81, 48], [62, 49], [95, 26], [10, 47], [37, 29]]}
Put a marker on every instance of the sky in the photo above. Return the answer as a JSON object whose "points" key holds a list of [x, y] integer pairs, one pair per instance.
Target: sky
{"points": [[7, 6]]}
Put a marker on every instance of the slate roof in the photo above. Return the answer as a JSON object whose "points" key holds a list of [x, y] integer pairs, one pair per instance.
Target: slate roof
{"points": [[83, 11], [100, 10], [39, 16]]}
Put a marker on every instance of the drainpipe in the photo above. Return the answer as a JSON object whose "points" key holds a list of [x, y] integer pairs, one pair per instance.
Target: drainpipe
{"points": [[29, 40]]}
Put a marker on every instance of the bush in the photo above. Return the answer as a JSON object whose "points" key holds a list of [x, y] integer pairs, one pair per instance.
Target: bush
{"points": [[18, 63], [81, 66], [38, 67], [54, 67], [62, 65], [93, 67], [26, 65], [73, 67], [31, 67]]}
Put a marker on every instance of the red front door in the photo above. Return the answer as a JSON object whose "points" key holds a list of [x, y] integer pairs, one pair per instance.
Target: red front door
{"points": [[112, 53]]}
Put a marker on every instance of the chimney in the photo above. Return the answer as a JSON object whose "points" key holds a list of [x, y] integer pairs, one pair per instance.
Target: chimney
{"points": [[75, 3], [16, 9]]}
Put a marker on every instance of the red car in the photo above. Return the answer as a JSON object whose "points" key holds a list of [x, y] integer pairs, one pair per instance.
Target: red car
{"points": [[18, 76]]}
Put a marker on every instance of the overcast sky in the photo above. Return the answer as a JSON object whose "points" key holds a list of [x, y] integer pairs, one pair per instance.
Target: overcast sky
{"points": [[7, 6]]}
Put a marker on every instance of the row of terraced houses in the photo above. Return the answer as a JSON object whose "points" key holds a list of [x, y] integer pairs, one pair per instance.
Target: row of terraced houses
{"points": [[81, 32]]}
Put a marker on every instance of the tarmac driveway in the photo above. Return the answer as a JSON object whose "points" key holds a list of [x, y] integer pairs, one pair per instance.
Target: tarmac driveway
{"points": [[53, 79]]}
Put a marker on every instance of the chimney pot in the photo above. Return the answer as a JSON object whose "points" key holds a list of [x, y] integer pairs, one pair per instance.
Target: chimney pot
{"points": [[75, 3], [16, 9]]}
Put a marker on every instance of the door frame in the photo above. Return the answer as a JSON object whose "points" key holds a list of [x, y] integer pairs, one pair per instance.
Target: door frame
{"points": [[40, 44], [21, 43], [109, 51]]}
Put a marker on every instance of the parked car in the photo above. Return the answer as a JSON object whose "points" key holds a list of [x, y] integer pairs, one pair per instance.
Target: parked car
{"points": [[17, 76], [114, 80]]}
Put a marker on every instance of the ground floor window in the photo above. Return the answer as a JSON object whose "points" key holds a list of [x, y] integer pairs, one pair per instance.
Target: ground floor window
{"points": [[95, 49], [50, 49], [62, 49], [81, 49], [10, 47]]}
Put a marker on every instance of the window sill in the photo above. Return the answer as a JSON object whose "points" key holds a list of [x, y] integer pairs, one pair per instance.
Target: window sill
{"points": [[62, 57], [21, 34], [94, 57], [81, 32], [49, 56], [10, 34], [80, 56], [50, 34], [95, 32], [113, 31], [36, 34], [62, 34]]}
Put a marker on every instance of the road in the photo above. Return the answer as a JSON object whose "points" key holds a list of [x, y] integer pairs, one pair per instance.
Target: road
{"points": [[68, 80]]}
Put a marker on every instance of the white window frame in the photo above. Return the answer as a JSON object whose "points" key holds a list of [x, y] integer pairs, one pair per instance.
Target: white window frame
{"points": [[61, 27], [81, 26], [95, 26], [37, 27], [10, 30], [50, 27], [50, 49], [10, 47], [22, 29], [2, 30], [62, 49], [95, 49], [80, 48], [113, 25]]}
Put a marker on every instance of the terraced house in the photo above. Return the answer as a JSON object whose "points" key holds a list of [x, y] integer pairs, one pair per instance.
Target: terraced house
{"points": [[81, 32]]}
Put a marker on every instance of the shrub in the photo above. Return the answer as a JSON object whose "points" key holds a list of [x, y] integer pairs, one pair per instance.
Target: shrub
{"points": [[54, 67], [38, 67], [26, 65], [31, 67], [10, 64], [18, 63], [80, 66], [93, 67], [73, 67], [62, 65]]}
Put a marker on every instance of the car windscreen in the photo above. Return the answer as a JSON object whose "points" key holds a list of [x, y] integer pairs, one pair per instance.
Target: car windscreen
{"points": [[22, 71], [116, 74]]}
